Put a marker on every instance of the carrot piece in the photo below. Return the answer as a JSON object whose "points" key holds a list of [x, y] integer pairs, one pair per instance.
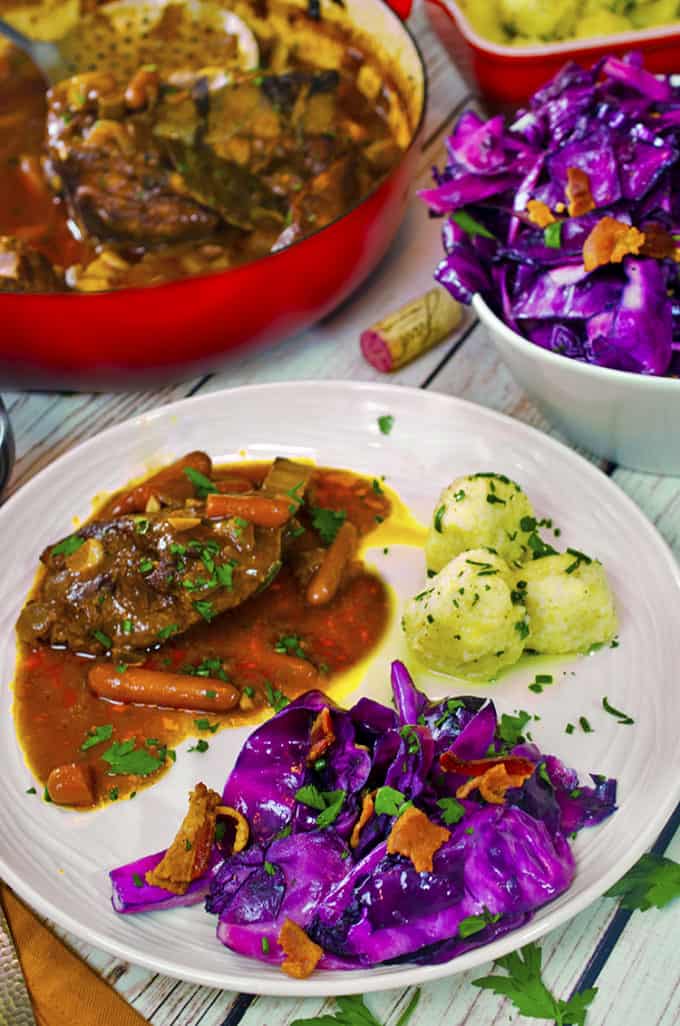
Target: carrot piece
{"points": [[156, 687], [135, 500], [258, 509], [71, 784], [325, 583]]}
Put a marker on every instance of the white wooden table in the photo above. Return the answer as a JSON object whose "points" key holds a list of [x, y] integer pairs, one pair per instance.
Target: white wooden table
{"points": [[634, 960]]}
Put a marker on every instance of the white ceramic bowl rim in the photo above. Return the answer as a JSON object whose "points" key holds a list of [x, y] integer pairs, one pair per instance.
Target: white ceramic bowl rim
{"points": [[587, 370], [634, 37]]}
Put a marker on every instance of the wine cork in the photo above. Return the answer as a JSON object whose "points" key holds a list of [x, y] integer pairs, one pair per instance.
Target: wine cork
{"points": [[411, 331]]}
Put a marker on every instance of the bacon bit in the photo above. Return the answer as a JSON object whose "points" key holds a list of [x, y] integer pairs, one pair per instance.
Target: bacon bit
{"points": [[367, 810], [322, 735], [416, 837], [609, 242], [188, 856], [302, 954], [493, 784], [578, 192], [659, 244], [477, 767], [242, 829], [540, 213]]}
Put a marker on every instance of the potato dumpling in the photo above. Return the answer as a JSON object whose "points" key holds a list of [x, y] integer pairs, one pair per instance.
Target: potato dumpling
{"points": [[479, 511], [468, 621], [569, 603], [552, 20], [602, 22]]}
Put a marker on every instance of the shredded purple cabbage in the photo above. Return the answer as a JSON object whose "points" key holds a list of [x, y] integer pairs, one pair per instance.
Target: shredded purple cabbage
{"points": [[363, 906], [620, 125]]}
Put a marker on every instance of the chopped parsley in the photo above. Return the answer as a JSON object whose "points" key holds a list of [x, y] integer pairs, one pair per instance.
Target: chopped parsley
{"points": [[200, 746], [124, 759], [269, 868], [290, 644], [510, 727], [585, 725], [327, 522], [470, 226], [68, 546], [205, 724], [264, 944], [474, 924], [202, 484], [165, 632], [276, 699], [623, 718], [386, 423], [103, 639], [96, 735], [452, 810], [225, 574], [205, 608], [552, 235], [128, 626], [327, 803], [137, 880], [390, 802], [113, 794]]}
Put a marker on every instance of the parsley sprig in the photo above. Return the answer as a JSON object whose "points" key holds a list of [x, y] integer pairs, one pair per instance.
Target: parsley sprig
{"points": [[353, 1011], [527, 991], [653, 882]]}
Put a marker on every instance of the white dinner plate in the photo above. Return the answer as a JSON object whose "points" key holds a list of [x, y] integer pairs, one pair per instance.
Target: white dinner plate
{"points": [[58, 859]]}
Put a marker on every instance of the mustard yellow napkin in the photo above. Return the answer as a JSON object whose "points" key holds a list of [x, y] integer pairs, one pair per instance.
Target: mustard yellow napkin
{"points": [[64, 990]]}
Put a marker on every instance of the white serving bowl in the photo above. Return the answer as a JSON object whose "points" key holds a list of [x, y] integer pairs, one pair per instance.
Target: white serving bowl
{"points": [[631, 419]]}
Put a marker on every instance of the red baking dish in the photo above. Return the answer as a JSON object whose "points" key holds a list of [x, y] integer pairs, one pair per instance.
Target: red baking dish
{"points": [[143, 336], [508, 75]]}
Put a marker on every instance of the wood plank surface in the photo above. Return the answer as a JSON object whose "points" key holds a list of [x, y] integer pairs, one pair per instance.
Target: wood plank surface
{"points": [[466, 365]]}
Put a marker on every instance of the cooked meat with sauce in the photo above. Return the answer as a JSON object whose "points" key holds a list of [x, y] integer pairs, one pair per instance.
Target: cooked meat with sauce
{"points": [[195, 599], [131, 582], [23, 269], [131, 180]]}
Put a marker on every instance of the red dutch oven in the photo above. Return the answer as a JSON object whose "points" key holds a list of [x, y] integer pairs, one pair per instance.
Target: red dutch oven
{"points": [[143, 336]]}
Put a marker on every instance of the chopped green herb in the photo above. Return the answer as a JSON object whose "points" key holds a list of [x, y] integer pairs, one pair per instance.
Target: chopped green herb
{"points": [[623, 718], [121, 667], [471, 227], [205, 724], [103, 639], [141, 525], [585, 725], [31, 790], [96, 735], [459, 496], [510, 727], [264, 944], [249, 692], [311, 796], [438, 517], [46, 796], [200, 746], [327, 522], [389, 801], [386, 423], [113, 794], [128, 626], [494, 499], [205, 608], [452, 810], [552, 235], [522, 628], [187, 844], [269, 868], [137, 880], [225, 575], [146, 566], [276, 699], [422, 594], [126, 760], [580, 557], [475, 924], [334, 802], [165, 632], [68, 546], [569, 729], [203, 485], [290, 644]]}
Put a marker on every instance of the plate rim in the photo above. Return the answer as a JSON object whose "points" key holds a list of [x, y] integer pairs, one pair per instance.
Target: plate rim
{"points": [[368, 980]]}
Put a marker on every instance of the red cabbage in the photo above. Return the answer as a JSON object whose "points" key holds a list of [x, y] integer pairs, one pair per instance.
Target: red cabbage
{"points": [[620, 125], [363, 906]]}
